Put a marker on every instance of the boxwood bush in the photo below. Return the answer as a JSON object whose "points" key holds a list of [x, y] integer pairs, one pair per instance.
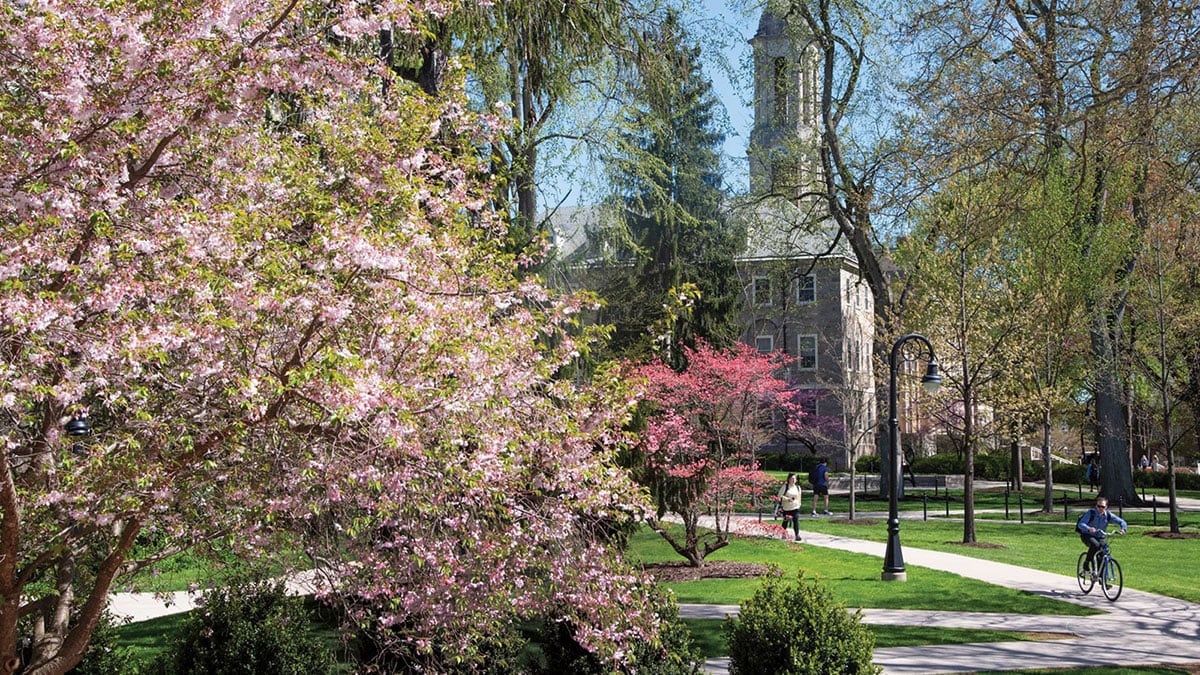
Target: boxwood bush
{"points": [[249, 627], [867, 464], [1159, 479], [792, 461], [795, 627]]}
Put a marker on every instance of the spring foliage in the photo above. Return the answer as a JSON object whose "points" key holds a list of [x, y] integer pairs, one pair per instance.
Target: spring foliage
{"points": [[703, 426], [265, 270]]}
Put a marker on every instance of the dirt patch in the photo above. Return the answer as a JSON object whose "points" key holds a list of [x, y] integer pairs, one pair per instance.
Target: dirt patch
{"points": [[1167, 534], [857, 521], [715, 569], [1038, 636], [975, 544]]}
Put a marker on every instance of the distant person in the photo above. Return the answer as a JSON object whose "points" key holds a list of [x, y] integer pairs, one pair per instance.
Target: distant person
{"points": [[819, 479], [1143, 463], [1093, 472], [907, 470], [1092, 525], [1156, 465], [789, 499]]}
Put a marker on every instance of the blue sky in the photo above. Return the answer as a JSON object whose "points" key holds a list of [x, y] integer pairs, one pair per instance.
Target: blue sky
{"points": [[723, 29], [728, 27]]}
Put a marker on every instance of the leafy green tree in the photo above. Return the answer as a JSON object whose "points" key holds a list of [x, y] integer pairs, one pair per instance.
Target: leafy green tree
{"points": [[1075, 91], [966, 303], [532, 61], [1047, 353], [667, 178]]}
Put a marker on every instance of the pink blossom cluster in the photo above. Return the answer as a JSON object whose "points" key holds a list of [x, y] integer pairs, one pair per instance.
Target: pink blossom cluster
{"points": [[703, 426], [275, 286]]}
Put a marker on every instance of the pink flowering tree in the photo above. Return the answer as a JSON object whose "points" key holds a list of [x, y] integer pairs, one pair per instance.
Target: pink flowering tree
{"points": [[264, 271], [702, 428]]}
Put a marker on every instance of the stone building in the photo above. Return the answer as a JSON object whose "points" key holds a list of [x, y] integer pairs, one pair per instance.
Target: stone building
{"points": [[803, 291]]}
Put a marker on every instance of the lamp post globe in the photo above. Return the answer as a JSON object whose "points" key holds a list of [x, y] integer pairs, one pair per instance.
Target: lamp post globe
{"points": [[77, 427], [893, 557]]}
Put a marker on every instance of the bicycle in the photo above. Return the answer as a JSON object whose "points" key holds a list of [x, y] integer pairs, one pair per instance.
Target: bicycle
{"points": [[1107, 569]]}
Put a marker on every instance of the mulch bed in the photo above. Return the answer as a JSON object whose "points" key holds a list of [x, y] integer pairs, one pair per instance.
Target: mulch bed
{"points": [[715, 569], [976, 544], [1167, 534]]}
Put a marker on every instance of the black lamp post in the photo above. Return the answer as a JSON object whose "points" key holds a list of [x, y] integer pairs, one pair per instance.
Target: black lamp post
{"points": [[77, 427], [893, 559]]}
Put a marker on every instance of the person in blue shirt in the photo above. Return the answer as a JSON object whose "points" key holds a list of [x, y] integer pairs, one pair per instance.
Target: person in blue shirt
{"points": [[819, 479], [1092, 524]]}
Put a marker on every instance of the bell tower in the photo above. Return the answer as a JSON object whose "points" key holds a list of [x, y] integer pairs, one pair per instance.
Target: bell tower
{"points": [[784, 142]]}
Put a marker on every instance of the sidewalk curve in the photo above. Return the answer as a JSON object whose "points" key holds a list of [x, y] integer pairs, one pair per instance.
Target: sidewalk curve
{"points": [[1152, 629]]}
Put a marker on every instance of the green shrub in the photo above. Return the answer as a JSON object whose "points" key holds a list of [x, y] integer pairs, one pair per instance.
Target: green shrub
{"points": [[1159, 479], [988, 466], [796, 627], [1031, 470], [674, 654], [947, 464], [251, 628], [792, 461], [867, 464], [496, 649], [103, 656], [1069, 473]]}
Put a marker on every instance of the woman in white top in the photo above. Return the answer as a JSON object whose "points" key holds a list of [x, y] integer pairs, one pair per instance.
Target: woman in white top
{"points": [[789, 502]]}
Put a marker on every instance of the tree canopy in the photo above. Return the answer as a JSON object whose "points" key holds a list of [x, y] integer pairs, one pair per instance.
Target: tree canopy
{"points": [[265, 268]]}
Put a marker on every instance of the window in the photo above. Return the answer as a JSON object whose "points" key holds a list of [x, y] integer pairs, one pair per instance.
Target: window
{"points": [[762, 291], [806, 352], [765, 344], [808, 405], [806, 288], [781, 90]]}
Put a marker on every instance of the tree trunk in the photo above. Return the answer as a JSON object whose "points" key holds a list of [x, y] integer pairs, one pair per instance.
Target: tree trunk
{"points": [[1048, 489], [1116, 478]]}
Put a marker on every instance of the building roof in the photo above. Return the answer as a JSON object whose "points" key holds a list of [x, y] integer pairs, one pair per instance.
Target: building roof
{"points": [[776, 229], [770, 25]]}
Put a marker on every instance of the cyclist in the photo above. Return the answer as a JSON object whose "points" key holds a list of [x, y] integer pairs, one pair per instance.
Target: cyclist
{"points": [[1092, 525]]}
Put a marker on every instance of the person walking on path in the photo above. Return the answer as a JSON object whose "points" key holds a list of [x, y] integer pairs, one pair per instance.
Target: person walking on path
{"points": [[819, 478], [1092, 525], [789, 498]]}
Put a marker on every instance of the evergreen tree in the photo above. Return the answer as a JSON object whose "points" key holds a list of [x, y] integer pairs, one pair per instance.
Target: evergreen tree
{"points": [[667, 180]]}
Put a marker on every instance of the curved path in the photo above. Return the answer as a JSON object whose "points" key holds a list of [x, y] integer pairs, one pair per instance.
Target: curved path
{"points": [[1139, 629]]}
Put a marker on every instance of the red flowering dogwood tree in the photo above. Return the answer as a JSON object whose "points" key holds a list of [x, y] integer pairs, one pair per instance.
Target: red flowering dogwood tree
{"points": [[702, 427], [266, 273]]}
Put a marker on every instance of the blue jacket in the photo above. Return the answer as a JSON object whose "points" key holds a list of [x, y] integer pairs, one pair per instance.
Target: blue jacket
{"points": [[1100, 521], [822, 476]]}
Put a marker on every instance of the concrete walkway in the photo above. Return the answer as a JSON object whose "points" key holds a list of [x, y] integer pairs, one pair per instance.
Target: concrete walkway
{"points": [[1138, 629], [146, 606]]}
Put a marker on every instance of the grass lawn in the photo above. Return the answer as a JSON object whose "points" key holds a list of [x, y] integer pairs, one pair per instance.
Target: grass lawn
{"points": [[1099, 670], [853, 579], [1149, 563], [146, 640]]}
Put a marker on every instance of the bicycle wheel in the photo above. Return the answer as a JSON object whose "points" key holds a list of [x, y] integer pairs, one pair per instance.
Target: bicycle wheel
{"points": [[1083, 575], [1113, 581]]}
